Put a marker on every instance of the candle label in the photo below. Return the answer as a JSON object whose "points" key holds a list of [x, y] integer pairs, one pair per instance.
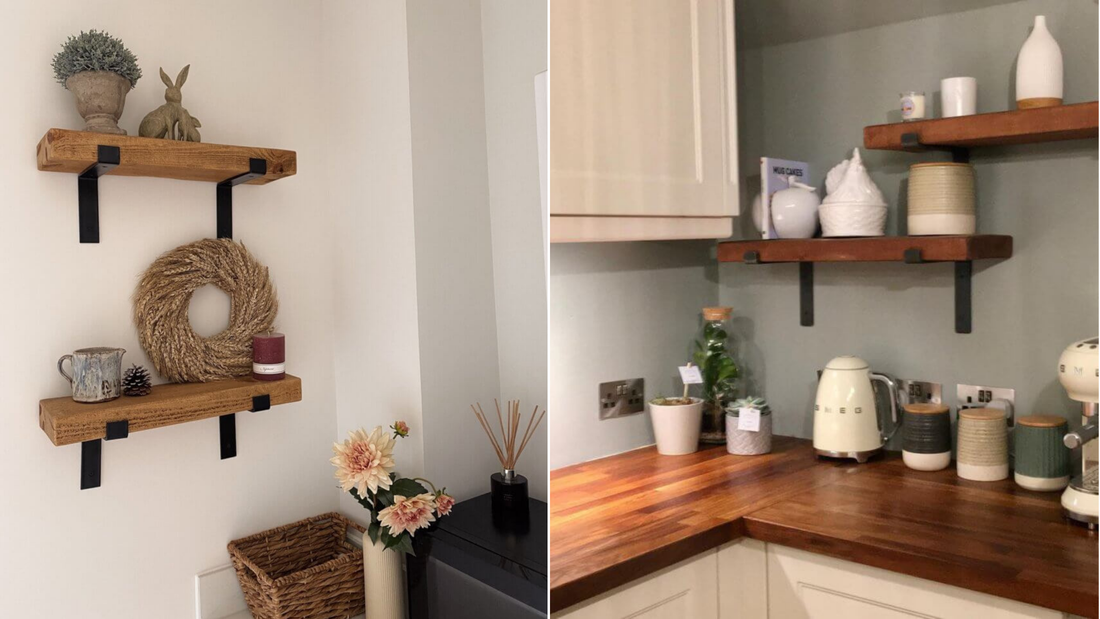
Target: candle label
{"points": [[906, 107], [268, 368]]}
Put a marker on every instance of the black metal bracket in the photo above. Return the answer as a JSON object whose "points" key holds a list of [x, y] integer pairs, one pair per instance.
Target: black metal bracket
{"points": [[260, 403], [227, 426], [806, 293], [87, 185], [256, 169], [751, 257], [911, 141], [964, 270], [91, 453]]}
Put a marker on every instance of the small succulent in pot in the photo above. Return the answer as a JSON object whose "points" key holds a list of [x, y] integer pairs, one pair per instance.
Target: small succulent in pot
{"points": [[99, 70], [748, 442]]}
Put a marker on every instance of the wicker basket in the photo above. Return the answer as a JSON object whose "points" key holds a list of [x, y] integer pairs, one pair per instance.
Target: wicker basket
{"points": [[302, 570]]}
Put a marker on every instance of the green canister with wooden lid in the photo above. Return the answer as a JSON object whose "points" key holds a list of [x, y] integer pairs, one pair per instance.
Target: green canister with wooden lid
{"points": [[1042, 461]]}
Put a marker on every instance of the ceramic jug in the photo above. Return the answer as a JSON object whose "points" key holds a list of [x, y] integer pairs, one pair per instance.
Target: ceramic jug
{"points": [[97, 373]]}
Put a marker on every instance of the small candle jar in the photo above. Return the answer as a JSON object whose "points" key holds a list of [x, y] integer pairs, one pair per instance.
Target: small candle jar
{"points": [[912, 106], [269, 356]]}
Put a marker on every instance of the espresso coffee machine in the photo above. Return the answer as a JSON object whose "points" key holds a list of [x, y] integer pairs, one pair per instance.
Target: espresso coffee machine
{"points": [[1079, 373]]}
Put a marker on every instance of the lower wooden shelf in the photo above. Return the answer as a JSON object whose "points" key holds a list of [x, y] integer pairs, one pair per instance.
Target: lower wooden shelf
{"points": [[961, 250], [67, 422]]}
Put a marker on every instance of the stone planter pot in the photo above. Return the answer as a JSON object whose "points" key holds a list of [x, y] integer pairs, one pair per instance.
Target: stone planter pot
{"points": [[100, 97], [677, 427], [746, 443]]}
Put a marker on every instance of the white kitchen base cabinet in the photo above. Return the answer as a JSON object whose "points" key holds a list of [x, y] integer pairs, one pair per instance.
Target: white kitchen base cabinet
{"points": [[687, 590], [644, 112], [804, 585], [749, 579]]}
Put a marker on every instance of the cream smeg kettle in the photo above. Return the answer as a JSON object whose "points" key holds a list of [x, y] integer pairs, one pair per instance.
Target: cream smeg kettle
{"points": [[847, 422]]}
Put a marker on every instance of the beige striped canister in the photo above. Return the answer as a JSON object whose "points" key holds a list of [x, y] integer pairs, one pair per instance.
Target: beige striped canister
{"points": [[941, 199], [982, 444]]}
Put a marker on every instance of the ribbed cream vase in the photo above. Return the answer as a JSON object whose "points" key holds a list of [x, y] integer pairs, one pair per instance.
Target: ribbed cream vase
{"points": [[982, 448], [941, 199], [383, 581]]}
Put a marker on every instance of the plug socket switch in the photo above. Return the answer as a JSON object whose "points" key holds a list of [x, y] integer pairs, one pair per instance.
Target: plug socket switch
{"points": [[979, 396], [620, 398]]}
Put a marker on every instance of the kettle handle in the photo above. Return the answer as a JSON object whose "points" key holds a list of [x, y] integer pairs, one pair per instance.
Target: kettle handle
{"points": [[892, 387]]}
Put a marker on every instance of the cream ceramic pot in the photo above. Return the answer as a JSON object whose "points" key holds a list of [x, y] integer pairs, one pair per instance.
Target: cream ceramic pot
{"points": [[847, 421]]}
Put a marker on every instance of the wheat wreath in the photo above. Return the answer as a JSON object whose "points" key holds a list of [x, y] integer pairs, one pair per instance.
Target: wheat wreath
{"points": [[163, 297]]}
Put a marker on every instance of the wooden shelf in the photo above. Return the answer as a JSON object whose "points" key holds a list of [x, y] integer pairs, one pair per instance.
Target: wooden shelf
{"points": [[872, 249], [1048, 124], [67, 422], [961, 250], [63, 150]]}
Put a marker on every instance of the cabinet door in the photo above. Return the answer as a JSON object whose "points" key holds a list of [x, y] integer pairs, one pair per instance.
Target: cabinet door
{"points": [[803, 585], [687, 590], [642, 108], [743, 580]]}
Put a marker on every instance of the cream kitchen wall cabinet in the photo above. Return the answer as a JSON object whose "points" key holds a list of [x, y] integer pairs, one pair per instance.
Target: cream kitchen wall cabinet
{"points": [[643, 116], [803, 585]]}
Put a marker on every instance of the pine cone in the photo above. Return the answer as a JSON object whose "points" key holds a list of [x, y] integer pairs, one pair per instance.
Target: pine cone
{"points": [[136, 382]]}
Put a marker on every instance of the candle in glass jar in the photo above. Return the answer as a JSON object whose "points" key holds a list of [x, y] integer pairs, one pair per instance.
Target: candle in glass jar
{"points": [[268, 356], [912, 105]]}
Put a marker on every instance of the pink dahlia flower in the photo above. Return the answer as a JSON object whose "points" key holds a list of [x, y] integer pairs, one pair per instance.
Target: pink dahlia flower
{"points": [[400, 428], [444, 503], [408, 514], [364, 461]]}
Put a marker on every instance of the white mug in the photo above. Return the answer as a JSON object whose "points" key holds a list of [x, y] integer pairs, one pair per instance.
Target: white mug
{"points": [[959, 96]]}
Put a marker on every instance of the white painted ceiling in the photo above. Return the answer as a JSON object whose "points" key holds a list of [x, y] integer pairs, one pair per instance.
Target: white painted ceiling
{"points": [[761, 23]]}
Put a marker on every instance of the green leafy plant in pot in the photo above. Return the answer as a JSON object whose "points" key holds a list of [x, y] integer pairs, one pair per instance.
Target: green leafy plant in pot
{"points": [[718, 369], [99, 70]]}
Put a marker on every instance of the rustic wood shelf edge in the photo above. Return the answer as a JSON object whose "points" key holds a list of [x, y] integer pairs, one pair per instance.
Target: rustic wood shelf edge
{"points": [[67, 422]]}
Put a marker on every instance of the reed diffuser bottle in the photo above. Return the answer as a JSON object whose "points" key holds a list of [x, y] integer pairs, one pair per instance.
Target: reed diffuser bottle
{"points": [[510, 506]]}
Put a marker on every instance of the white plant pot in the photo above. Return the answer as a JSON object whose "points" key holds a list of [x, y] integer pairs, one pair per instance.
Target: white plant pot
{"points": [[383, 581], [1039, 69], [677, 427], [748, 443]]}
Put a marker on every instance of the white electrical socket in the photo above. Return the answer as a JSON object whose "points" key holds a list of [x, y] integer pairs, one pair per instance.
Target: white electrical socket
{"points": [[978, 396]]}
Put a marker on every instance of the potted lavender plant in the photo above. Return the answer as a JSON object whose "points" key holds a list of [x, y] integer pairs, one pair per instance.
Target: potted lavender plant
{"points": [[99, 71]]}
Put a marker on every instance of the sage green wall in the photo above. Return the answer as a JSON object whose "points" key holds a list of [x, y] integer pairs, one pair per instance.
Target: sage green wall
{"points": [[618, 311], [810, 100]]}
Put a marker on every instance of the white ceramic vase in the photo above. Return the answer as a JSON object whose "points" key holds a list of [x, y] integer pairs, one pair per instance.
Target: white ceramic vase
{"points": [[677, 427], [383, 581], [1039, 69]]}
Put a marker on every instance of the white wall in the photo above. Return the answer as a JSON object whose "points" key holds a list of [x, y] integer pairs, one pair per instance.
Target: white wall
{"points": [[514, 49], [168, 505], [370, 187], [454, 269]]}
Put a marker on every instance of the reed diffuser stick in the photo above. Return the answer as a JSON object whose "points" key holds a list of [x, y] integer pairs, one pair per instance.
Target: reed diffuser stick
{"points": [[509, 447]]}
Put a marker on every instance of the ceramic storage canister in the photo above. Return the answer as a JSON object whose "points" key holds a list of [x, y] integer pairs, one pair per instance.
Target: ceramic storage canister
{"points": [[926, 434], [982, 444], [941, 199], [1042, 460], [854, 205]]}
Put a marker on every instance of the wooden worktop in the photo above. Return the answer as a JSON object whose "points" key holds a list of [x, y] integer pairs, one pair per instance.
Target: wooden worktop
{"points": [[617, 519]]}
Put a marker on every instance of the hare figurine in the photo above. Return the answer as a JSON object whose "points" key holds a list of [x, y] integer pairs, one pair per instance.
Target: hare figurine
{"points": [[189, 127], [162, 122]]}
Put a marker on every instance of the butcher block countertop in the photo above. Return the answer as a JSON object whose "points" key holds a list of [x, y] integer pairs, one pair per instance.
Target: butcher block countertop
{"points": [[620, 518]]}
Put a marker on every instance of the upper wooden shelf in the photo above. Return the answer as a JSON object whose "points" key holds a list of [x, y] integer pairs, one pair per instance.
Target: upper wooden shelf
{"points": [[63, 150], [66, 421], [1047, 124], [871, 249]]}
